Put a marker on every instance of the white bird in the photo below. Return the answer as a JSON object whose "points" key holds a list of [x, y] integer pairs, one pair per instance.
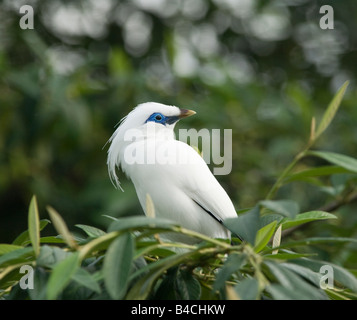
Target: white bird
{"points": [[176, 177]]}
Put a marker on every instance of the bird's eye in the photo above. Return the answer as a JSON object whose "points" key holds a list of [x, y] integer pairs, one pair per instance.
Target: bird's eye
{"points": [[157, 117]]}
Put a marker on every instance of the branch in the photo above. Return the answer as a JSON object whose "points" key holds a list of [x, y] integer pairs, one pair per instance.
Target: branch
{"points": [[330, 207], [333, 206]]}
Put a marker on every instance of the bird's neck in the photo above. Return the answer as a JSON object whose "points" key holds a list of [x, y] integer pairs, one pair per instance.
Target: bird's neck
{"points": [[147, 133]]}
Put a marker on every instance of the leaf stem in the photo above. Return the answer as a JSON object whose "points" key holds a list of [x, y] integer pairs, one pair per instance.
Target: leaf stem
{"points": [[286, 172]]}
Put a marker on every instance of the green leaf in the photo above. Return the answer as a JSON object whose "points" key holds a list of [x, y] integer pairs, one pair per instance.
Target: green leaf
{"points": [[84, 278], [24, 238], [341, 160], [280, 292], [340, 274], [294, 285], [315, 240], [287, 208], [233, 263], [331, 110], [61, 227], [91, 231], [51, 239], [39, 284], [96, 244], [315, 172], [277, 239], [269, 218], [246, 225], [306, 217], [117, 265], [287, 255], [263, 236], [142, 288], [167, 288], [10, 276], [110, 217], [16, 256], [50, 256], [140, 222], [303, 272], [187, 286], [6, 248], [61, 275], [34, 226], [248, 289]]}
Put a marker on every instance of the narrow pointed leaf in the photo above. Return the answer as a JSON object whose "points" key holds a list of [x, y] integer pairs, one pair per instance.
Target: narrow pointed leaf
{"points": [[117, 265], [315, 240], [91, 231], [16, 256], [263, 236], [277, 239], [96, 244], [34, 226], [6, 248], [150, 209], [341, 160], [331, 110], [315, 172], [306, 217], [140, 222], [61, 227], [61, 275]]}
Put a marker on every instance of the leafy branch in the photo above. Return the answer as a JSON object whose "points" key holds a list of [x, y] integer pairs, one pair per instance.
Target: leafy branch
{"points": [[314, 135], [130, 262]]}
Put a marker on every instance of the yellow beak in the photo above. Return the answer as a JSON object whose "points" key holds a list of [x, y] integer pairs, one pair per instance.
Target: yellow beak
{"points": [[184, 113]]}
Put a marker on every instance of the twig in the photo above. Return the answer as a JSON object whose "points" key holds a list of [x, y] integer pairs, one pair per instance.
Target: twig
{"points": [[330, 207]]}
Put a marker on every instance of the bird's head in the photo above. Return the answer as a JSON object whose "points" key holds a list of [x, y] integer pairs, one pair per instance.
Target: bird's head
{"points": [[154, 114], [146, 119]]}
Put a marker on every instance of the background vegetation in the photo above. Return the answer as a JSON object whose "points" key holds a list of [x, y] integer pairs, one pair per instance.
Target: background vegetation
{"points": [[263, 69]]}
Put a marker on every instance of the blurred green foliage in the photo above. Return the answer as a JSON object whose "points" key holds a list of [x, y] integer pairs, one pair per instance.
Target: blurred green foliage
{"points": [[263, 69]]}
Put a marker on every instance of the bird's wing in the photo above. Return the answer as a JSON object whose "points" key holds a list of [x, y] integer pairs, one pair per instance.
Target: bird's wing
{"points": [[203, 188]]}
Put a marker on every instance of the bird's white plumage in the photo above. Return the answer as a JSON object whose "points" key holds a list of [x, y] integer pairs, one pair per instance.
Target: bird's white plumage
{"points": [[178, 180]]}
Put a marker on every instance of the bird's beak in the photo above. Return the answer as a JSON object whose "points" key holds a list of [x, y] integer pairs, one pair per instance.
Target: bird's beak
{"points": [[184, 113]]}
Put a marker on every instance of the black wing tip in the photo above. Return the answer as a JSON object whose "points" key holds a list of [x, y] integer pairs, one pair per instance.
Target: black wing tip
{"points": [[220, 221]]}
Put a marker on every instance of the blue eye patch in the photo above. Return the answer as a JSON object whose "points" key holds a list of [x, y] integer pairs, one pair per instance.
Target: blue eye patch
{"points": [[160, 118]]}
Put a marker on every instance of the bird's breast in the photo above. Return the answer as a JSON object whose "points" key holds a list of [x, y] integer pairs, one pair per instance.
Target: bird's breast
{"points": [[151, 157]]}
